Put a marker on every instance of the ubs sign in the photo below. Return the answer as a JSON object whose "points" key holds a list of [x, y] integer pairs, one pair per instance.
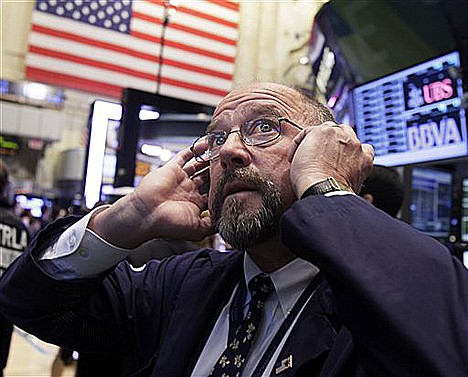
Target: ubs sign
{"points": [[439, 123], [414, 115]]}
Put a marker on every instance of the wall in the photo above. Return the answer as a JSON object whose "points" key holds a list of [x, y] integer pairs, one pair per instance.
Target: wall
{"points": [[272, 38]]}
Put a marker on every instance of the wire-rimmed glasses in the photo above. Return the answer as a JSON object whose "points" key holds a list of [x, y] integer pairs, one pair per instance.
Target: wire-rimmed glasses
{"points": [[254, 132]]}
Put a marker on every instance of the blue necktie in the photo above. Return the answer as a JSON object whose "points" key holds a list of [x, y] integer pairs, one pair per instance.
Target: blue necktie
{"points": [[233, 359]]}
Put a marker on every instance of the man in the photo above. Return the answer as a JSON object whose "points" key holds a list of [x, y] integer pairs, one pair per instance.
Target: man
{"points": [[387, 301], [384, 189], [14, 238]]}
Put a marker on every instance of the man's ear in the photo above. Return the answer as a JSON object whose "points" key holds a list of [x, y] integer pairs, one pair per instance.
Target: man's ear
{"points": [[369, 198]]}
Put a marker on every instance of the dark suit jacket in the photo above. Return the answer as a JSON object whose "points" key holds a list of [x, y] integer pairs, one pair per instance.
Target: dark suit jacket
{"points": [[393, 302]]}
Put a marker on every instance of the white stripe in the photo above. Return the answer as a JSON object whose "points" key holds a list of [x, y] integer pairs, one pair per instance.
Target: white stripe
{"points": [[215, 10], [117, 78], [82, 29], [103, 55], [198, 60], [196, 78], [188, 20], [183, 37], [190, 95]]}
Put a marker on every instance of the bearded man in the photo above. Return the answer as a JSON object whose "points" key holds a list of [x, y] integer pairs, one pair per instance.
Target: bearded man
{"points": [[321, 284]]}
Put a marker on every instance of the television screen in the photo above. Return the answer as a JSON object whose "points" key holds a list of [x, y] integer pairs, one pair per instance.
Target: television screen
{"points": [[414, 115], [464, 212], [431, 201]]}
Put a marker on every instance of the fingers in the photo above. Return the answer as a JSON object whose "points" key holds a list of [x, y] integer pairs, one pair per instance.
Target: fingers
{"points": [[182, 157], [328, 126]]}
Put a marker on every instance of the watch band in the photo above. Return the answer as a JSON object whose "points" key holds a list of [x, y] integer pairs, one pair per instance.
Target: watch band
{"points": [[323, 187]]}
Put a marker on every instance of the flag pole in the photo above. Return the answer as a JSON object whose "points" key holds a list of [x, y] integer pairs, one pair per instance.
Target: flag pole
{"points": [[170, 7]]}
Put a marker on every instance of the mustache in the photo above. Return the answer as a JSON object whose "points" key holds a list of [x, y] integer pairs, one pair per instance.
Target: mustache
{"points": [[243, 175]]}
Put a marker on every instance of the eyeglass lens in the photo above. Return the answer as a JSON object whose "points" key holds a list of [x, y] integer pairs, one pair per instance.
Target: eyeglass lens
{"points": [[254, 132]]}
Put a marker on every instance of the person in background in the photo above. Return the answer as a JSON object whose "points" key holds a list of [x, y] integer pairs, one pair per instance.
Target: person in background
{"points": [[14, 238], [320, 283], [384, 189]]}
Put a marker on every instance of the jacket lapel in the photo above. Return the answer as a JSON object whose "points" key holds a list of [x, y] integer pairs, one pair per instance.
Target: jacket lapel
{"points": [[311, 339], [196, 309]]}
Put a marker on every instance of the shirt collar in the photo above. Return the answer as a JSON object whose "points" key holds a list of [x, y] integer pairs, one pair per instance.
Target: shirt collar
{"points": [[289, 281]]}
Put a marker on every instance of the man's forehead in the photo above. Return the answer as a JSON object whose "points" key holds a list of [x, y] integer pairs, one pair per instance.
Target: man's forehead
{"points": [[246, 103], [245, 114]]}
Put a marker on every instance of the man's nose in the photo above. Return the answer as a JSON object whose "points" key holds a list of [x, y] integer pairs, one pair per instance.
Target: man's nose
{"points": [[234, 153]]}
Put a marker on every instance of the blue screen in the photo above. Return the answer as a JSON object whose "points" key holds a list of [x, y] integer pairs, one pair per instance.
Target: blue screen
{"points": [[431, 201], [414, 115]]}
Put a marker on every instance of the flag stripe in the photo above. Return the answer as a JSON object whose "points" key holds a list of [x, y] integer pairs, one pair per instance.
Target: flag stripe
{"points": [[226, 4], [208, 17], [78, 83], [91, 62]]}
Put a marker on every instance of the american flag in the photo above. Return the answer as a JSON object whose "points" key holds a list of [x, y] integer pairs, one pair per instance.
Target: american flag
{"points": [[103, 46]]}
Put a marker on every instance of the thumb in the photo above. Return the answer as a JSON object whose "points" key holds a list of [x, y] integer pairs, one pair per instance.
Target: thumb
{"points": [[205, 226]]}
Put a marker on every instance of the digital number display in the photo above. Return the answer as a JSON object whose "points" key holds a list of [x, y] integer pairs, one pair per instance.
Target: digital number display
{"points": [[414, 115]]}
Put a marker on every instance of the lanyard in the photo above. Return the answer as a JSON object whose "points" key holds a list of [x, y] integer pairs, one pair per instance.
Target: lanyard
{"points": [[261, 366]]}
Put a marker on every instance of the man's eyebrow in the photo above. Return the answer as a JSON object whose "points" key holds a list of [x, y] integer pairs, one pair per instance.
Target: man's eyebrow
{"points": [[211, 126], [254, 112]]}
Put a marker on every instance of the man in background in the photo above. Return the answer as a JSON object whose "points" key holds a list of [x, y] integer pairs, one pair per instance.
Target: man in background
{"points": [[14, 239], [384, 189]]}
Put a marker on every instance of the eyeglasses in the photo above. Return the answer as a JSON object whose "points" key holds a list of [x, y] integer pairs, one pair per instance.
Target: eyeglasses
{"points": [[255, 132]]}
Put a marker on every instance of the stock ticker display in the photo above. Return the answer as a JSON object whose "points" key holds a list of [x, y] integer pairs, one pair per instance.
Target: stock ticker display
{"points": [[414, 115]]}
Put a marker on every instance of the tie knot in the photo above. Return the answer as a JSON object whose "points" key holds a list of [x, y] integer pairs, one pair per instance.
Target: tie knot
{"points": [[261, 284]]}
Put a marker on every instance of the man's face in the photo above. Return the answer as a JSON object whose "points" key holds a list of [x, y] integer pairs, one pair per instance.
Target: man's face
{"points": [[249, 185]]}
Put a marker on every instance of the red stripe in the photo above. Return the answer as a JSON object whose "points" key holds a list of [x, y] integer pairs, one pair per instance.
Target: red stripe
{"points": [[73, 82], [112, 47], [208, 17], [185, 29], [183, 9], [184, 47], [226, 4], [198, 88], [127, 71]]}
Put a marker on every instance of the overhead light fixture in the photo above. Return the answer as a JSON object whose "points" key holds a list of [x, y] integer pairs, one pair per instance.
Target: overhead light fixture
{"points": [[34, 90], [156, 151], [145, 114]]}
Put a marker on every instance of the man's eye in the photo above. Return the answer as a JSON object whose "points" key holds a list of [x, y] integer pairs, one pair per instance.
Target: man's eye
{"points": [[219, 139], [264, 126]]}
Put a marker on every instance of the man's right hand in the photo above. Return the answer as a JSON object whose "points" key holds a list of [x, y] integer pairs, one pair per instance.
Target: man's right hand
{"points": [[166, 204]]}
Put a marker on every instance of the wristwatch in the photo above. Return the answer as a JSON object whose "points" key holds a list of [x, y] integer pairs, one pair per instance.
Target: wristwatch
{"points": [[323, 187]]}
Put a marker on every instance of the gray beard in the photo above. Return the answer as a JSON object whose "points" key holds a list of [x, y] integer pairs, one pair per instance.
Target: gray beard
{"points": [[242, 229]]}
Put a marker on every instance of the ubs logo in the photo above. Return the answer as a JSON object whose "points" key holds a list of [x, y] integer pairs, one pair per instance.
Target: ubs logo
{"points": [[438, 91]]}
